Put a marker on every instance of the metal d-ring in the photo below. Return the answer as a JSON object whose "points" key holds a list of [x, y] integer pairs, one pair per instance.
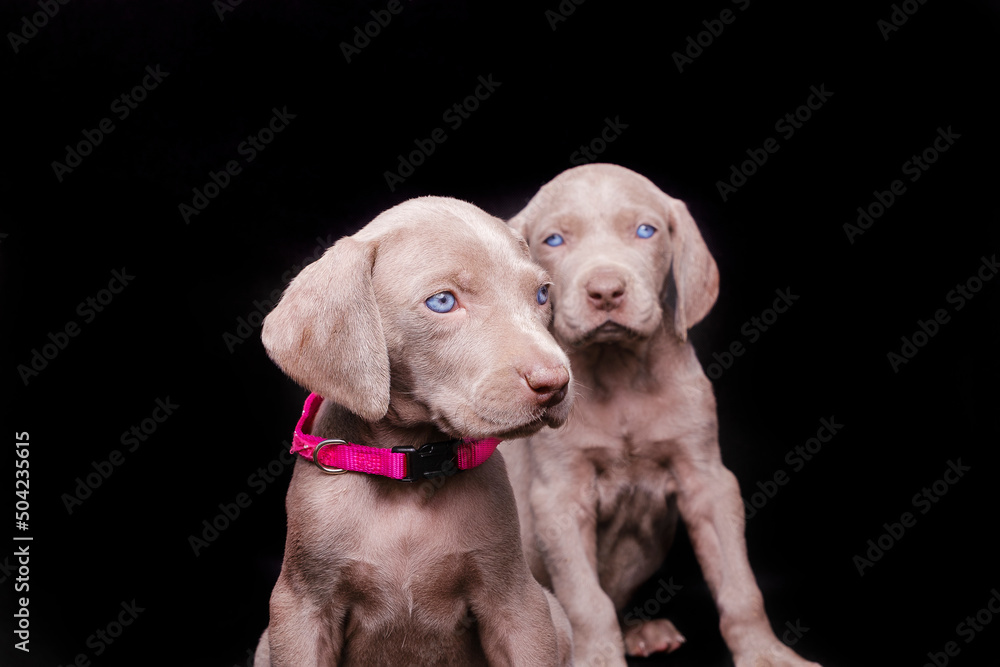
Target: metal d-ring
{"points": [[327, 469]]}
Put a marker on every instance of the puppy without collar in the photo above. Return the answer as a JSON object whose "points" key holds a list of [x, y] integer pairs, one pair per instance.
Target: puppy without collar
{"points": [[428, 324], [599, 498]]}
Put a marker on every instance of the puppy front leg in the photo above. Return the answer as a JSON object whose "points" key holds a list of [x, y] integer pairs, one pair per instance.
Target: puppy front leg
{"points": [[523, 625], [711, 507], [300, 633], [566, 536]]}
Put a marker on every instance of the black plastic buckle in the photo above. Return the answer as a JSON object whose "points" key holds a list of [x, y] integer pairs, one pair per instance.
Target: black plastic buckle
{"points": [[434, 459]]}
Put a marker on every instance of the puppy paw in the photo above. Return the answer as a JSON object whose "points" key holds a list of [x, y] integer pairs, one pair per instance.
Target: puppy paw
{"points": [[652, 636]]}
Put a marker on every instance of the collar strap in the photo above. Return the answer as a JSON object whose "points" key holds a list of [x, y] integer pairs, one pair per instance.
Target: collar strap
{"points": [[407, 464]]}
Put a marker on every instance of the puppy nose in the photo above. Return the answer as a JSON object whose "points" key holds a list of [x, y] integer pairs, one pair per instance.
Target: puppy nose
{"points": [[605, 289], [548, 384]]}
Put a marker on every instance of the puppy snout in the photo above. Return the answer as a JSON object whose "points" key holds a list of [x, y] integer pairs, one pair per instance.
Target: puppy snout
{"points": [[549, 384], [605, 289]]}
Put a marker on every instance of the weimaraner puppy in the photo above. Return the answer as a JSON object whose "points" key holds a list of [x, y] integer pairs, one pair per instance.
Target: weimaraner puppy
{"points": [[599, 498], [428, 325]]}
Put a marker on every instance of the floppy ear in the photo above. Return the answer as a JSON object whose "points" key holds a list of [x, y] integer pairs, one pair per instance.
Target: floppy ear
{"points": [[519, 223], [694, 271], [326, 332]]}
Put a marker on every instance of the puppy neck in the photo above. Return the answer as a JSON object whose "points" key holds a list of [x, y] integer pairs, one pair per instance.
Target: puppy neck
{"points": [[336, 421], [636, 365]]}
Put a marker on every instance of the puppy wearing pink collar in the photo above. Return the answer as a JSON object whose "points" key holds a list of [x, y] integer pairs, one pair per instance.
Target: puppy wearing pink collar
{"points": [[424, 340]]}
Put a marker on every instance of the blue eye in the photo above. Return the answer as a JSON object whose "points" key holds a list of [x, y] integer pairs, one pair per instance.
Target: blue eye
{"points": [[442, 302], [554, 240], [543, 295], [645, 231]]}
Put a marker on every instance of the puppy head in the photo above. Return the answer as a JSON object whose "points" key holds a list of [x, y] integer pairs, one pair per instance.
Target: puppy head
{"points": [[433, 313], [618, 248]]}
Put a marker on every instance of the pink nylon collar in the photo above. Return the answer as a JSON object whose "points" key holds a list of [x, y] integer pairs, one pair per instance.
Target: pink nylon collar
{"points": [[402, 463]]}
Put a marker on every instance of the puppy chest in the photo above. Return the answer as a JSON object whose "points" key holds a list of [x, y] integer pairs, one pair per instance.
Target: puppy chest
{"points": [[636, 519], [400, 591], [412, 621], [633, 492]]}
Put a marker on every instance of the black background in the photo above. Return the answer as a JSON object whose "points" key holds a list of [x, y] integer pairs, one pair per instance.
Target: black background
{"points": [[323, 176]]}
